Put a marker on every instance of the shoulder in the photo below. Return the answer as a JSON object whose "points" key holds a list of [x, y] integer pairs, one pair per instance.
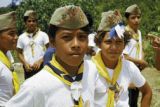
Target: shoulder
{"points": [[129, 66], [90, 70], [39, 80], [22, 36], [3, 67], [42, 33], [90, 65]]}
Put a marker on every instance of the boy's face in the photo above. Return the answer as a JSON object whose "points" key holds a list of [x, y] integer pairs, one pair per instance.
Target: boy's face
{"points": [[111, 47], [71, 45], [31, 25], [134, 21], [8, 39]]}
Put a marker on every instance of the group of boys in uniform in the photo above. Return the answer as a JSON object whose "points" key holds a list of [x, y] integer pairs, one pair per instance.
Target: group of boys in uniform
{"points": [[68, 80]]}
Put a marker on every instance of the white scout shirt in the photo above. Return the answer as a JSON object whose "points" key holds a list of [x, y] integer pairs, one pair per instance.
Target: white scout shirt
{"points": [[33, 47], [46, 90], [131, 47], [6, 85], [97, 85]]}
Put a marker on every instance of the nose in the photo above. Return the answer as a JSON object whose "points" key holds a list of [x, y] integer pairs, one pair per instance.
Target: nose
{"points": [[113, 47], [137, 19], [75, 43]]}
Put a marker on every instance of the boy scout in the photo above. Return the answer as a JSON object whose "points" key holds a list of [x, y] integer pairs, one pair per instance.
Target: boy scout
{"points": [[109, 85], [31, 45], [133, 50], [8, 40], [60, 82]]}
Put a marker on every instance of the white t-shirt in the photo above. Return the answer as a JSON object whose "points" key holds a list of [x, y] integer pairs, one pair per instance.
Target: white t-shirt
{"points": [[46, 90], [6, 86], [33, 47], [131, 47], [98, 86]]}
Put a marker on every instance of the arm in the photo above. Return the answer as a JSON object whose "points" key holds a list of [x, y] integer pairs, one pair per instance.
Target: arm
{"points": [[21, 58], [141, 63], [146, 95]]}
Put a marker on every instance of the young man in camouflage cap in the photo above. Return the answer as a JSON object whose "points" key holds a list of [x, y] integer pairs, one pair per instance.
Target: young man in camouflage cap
{"points": [[60, 82], [8, 40], [133, 50], [31, 45], [109, 85]]}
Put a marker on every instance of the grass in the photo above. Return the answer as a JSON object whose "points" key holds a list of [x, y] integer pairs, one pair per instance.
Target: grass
{"points": [[153, 77]]}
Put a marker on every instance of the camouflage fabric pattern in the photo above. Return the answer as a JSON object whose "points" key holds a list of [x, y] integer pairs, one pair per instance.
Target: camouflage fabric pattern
{"points": [[31, 14], [133, 9], [7, 21], [109, 19], [70, 17]]}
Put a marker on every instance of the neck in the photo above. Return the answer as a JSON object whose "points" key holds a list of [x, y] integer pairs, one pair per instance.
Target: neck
{"points": [[72, 70], [135, 29], [110, 63], [29, 31]]}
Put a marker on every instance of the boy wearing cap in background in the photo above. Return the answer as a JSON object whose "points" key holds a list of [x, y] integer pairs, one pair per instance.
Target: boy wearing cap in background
{"points": [[60, 82], [133, 50], [31, 45], [109, 85], [8, 40]]}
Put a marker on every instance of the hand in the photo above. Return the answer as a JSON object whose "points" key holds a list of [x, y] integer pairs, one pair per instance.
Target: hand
{"points": [[37, 65], [142, 64], [155, 40], [27, 67]]}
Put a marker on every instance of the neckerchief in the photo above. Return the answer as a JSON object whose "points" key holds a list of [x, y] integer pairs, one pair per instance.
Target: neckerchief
{"points": [[15, 79], [58, 71], [113, 87], [135, 36], [34, 35]]}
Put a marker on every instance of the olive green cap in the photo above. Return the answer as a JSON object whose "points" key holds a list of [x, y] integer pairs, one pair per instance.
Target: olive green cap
{"points": [[109, 19], [133, 9], [31, 14], [8, 20], [70, 17]]}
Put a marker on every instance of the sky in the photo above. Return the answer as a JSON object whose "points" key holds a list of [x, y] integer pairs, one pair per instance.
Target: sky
{"points": [[4, 3]]}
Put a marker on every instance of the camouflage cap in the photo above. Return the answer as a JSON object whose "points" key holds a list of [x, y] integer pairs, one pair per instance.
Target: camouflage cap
{"points": [[30, 13], [133, 9], [7, 21], [109, 19], [70, 17]]}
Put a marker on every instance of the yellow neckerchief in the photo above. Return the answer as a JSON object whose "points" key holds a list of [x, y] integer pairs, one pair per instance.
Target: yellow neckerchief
{"points": [[59, 67], [135, 36], [97, 59], [15, 79], [32, 42]]}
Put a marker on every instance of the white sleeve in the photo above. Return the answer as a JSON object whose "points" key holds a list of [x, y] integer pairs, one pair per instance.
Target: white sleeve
{"points": [[45, 38], [26, 97], [128, 48], [20, 43], [136, 77]]}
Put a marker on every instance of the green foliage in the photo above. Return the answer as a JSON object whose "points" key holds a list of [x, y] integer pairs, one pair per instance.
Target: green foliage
{"points": [[45, 8]]}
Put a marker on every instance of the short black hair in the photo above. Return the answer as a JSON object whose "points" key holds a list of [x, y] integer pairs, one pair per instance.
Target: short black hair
{"points": [[25, 18], [126, 14]]}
